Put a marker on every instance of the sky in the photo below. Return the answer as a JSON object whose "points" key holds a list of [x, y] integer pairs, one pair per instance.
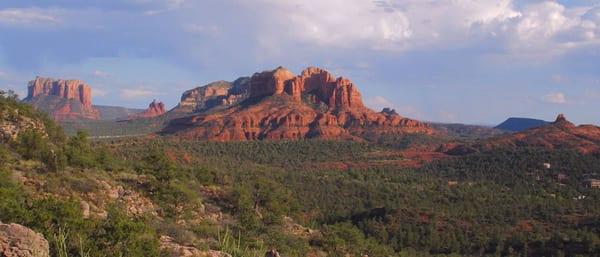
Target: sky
{"points": [[468, 61]]}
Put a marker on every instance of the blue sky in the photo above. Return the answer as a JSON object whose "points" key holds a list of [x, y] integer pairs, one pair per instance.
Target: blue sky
{"points": [[464, 61]]}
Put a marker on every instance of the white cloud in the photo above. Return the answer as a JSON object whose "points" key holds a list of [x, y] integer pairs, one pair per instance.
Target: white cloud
{"points": [[165, 5], [337, 23], [383, 24], [530, 30], [201, 29], [137, 93], [27, 16], [555, 98], [379, 102], [100, 74]]}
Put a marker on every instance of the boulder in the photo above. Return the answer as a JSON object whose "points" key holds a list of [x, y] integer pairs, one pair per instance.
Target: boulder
{"points": [[20, 241]]}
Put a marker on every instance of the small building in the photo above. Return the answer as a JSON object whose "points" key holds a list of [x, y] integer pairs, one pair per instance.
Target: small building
{"points": [[547, 166], [452, 183], [591, 183]]}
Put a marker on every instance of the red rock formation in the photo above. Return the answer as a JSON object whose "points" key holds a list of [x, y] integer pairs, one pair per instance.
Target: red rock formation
{"points": [[336, 93], [560, 134], [284, 106], [270, 82], [154, 109], [67, 89], [69, 99]]}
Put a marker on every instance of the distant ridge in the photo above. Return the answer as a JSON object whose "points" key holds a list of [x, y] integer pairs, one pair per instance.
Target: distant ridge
{"points": [[560, 134], [520, 124]]}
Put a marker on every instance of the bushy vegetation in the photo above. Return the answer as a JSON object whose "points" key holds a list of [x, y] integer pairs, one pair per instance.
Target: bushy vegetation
{"points": [[61, 220], [496, 203], [501, 203]]}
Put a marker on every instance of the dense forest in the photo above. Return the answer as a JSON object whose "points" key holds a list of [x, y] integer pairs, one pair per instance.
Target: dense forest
{"points": [[500, 203]]}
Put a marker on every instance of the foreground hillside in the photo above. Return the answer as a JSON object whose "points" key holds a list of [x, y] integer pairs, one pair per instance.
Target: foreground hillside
{"points": [[164, 196]]}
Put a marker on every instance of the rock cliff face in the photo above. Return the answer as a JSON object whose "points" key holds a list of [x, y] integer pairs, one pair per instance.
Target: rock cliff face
{"points": [[279, 105], [216, 94], [19, 241], [62, 99], [153, 110]]}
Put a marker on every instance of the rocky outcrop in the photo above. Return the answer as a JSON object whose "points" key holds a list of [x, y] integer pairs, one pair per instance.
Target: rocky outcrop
{"points": [[154, 109], [279, 105], [173, 249], [62, 99], [20, 241], [12, 123]]}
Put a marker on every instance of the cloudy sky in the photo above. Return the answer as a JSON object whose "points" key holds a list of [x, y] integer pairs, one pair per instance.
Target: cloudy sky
{"points": [[472, 61]]}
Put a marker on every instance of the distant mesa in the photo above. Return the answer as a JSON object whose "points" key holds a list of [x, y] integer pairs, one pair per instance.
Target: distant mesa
{"points": [[154, 109], [278, 104], [62, 99], [520, 124]]}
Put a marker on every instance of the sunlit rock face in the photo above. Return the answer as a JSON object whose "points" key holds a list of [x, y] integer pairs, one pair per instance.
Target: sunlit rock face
{"points": [[62, 99], [278, 105]]}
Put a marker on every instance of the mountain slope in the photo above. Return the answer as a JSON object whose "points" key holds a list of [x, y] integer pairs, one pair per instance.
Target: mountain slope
{"points": [[280, 105], [520, 124], [560, 134]]}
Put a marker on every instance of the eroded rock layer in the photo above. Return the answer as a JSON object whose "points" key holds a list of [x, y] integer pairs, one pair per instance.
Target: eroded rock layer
{"points": [[279, 105]]}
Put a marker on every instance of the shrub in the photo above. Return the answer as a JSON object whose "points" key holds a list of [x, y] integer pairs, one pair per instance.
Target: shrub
{"points": [[79, 152], [32, 145], [123, 236]]}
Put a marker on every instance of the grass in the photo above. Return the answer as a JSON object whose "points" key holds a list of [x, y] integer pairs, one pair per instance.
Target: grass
{"points": [[231, 244]]}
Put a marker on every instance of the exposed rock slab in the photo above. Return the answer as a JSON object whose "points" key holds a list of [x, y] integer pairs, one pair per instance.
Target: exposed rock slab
{"points": [[20, 241]]}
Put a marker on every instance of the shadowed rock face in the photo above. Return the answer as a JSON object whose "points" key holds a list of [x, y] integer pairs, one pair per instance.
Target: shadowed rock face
{"points": [[62, 99], [19, 241], [153, 110], [279, 105]]}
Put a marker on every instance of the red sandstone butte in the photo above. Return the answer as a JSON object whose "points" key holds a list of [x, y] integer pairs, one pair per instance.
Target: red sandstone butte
{"points": [[280, 105], [77, 94]]}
